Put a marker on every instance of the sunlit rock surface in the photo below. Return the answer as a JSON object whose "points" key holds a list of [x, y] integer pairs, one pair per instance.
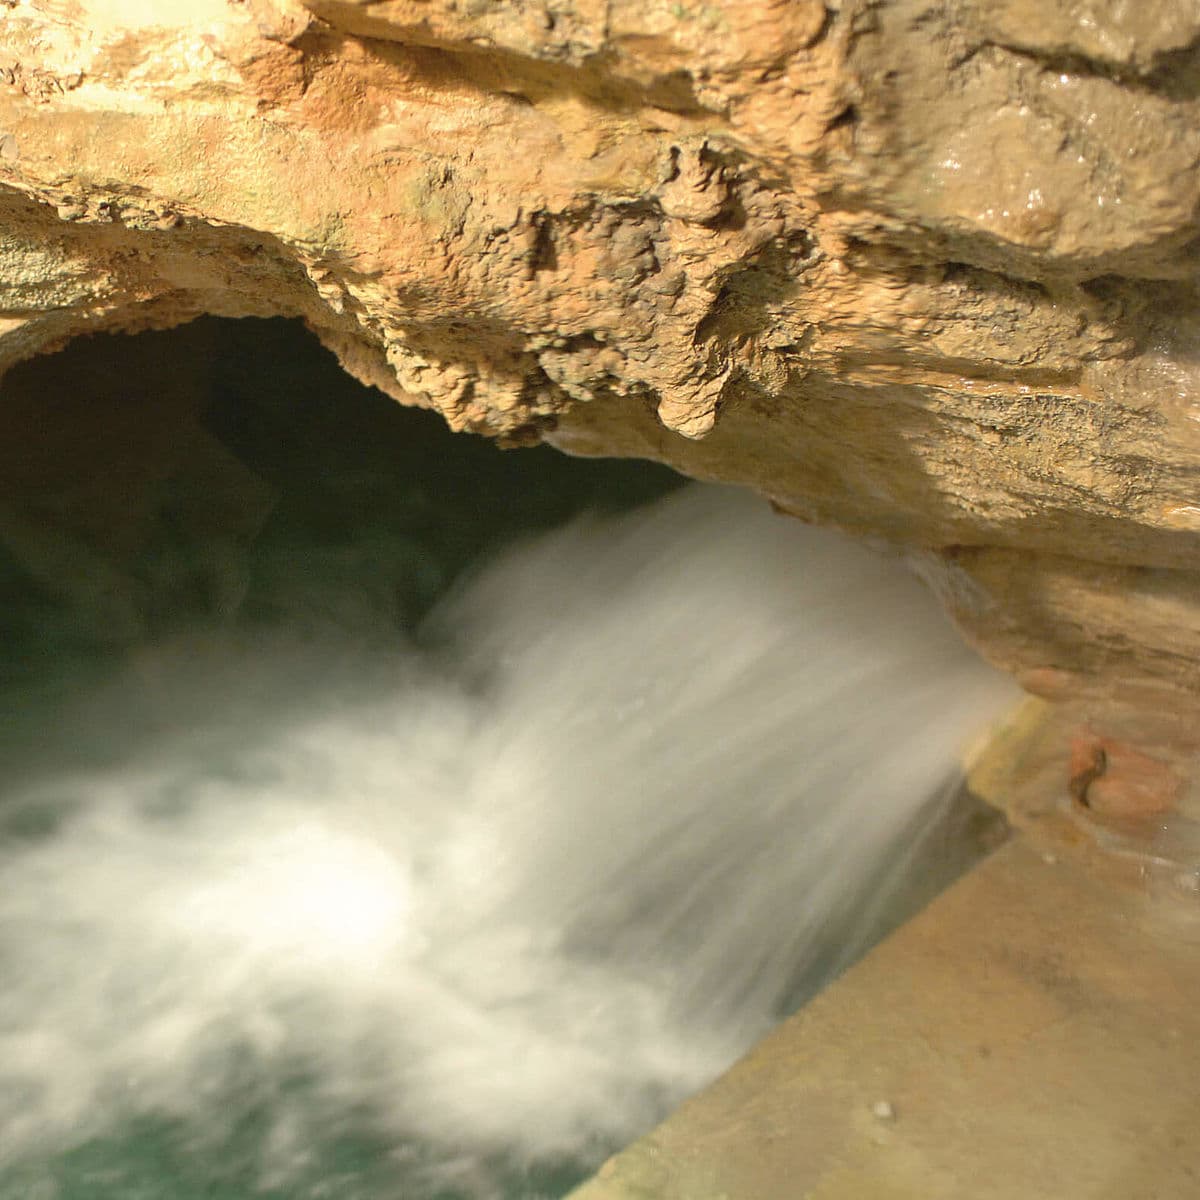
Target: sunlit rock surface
{"points": [[926, 273]]}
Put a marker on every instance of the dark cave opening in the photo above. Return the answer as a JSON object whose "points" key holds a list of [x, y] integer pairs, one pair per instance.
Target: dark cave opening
{"points": [[231, 471]]}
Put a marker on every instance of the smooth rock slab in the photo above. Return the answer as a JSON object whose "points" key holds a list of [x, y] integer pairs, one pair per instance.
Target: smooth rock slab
{"points": [[1033, 1035]]}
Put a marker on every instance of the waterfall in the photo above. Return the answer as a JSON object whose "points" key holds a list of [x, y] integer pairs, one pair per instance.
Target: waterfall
{"points": [[303, 913]]}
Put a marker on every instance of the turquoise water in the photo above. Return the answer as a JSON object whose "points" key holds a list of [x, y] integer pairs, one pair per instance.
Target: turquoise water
{"points": [[153, 1159]]}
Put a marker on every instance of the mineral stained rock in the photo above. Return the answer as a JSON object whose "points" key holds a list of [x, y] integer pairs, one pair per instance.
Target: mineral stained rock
{"points": [[924, 270]]}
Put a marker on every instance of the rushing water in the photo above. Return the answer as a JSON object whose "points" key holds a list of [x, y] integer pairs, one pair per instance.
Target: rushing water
{"points": [[301, 913]]}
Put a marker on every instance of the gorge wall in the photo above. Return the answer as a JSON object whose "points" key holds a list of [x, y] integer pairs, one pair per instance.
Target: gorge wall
{"points": [[922, 270]]}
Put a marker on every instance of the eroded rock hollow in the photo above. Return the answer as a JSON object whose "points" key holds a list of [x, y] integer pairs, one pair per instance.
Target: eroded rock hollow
{"points": [[923, 271]]}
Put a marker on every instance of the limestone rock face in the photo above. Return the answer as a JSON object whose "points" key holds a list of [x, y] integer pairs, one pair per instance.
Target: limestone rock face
{"points": [[924, 271]]}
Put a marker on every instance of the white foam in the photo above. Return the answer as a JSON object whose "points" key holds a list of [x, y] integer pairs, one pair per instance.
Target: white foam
{"points": [[519, 895]]}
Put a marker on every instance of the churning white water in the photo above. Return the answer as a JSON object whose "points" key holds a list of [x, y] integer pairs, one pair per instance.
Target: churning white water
{"points": [[347, 917]]}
